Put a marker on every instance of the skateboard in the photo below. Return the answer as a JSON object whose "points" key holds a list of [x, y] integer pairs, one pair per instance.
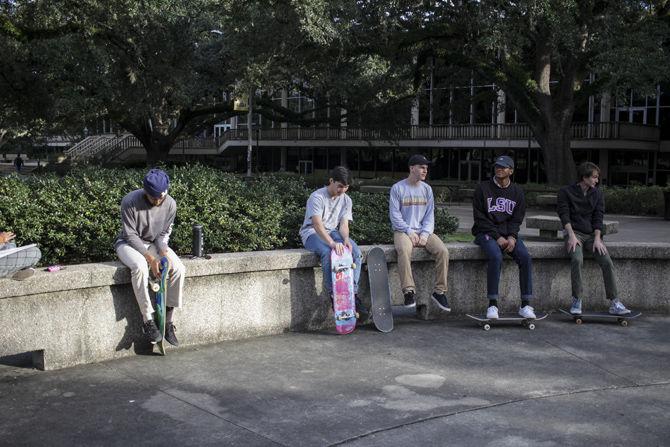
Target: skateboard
{"points": [[160, 302], [621, 319], [380, 291], [344, 303], [528, 323]]}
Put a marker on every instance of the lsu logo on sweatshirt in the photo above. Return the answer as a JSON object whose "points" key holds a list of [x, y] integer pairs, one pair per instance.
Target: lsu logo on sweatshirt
{"points": [[501, 205]]}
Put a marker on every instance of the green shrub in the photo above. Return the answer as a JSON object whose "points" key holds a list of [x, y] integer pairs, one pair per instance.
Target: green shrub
{"points": [[634, 200], [76, 218]]}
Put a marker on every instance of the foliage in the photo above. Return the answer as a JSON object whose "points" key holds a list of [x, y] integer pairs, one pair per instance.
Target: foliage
{"points": [[76, 218], [635, 200]]}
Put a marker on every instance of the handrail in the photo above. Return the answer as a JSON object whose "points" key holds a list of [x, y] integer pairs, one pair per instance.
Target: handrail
{"points": [[607, 130]]}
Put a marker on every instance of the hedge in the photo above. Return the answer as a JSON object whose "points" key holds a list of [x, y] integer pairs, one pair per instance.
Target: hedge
{"points": [[76, 218]]}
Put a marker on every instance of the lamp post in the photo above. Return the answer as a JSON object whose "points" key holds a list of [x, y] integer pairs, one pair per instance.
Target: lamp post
{"points": [[249, 130]]}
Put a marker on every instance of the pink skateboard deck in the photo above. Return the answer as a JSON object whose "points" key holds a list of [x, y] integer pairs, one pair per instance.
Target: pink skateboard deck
{"points": [[344, 303]]}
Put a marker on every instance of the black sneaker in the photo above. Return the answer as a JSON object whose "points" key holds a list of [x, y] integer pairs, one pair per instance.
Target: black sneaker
{"points": [[361, 310], [170, 336], [441, 300], [409, 299], [151, 330]]}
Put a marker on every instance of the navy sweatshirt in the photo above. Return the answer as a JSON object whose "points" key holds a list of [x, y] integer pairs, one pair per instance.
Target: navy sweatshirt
{"points": [[584, 212], [498, 211]]}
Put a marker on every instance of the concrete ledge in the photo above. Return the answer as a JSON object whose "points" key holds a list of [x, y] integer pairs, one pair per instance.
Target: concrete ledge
{"points": [[547, 199], [87, 313], [376, 189], [551, 227]]}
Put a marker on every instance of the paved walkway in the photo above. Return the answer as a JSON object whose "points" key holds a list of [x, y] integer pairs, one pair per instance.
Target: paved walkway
{"points": [[426, 384], [631, 228]]}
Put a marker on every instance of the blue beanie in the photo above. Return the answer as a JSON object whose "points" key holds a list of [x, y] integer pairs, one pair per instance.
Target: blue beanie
{"points": [[156, 183]]}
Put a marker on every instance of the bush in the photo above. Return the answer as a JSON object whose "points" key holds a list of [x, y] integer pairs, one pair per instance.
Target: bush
{"points": [[634, 200], [76, 218]]}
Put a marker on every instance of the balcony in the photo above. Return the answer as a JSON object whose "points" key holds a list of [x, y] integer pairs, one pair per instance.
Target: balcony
{"points": [[584, 135]]}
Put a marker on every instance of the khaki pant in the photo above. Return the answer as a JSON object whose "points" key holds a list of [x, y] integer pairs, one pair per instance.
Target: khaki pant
{"points": [[435, 246], [139, 277]]}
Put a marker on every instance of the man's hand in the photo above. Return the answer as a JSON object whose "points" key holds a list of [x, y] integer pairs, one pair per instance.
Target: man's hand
{"points": [[347, 243], [6, 236], [511, 244], [423, 240], [502, 242], [154, 264], [573, 242], [414, 238], [338, 247], [599, 245]]}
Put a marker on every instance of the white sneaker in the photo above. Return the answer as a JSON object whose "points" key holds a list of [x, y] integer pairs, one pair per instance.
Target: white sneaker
{"points": [[617, 308], [527, 312], [576, 308], [492, 313]]}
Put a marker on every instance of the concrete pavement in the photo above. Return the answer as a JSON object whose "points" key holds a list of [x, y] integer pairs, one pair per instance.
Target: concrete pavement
{"points": [[429, 383], [631, 228]]}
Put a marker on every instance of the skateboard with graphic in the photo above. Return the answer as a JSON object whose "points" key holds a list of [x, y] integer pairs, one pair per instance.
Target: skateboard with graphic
{"points": [[344, 302], [621, 319], [508, 317], [380, 290], [160, 288]]}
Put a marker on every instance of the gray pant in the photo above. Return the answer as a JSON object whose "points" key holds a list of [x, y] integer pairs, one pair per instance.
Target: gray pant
{"points": [[604, 261], [11, 264]]}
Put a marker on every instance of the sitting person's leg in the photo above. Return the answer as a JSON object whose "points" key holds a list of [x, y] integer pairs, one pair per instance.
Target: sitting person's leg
{"points": [[316, 245]]}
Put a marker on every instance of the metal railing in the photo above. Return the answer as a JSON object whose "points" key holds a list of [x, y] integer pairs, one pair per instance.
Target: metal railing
{"points": [[611, 130]]}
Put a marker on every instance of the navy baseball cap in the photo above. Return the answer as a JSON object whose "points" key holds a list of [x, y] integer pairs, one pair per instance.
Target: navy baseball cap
{"points": [[418, 159], [156, 183], [504, 161]]}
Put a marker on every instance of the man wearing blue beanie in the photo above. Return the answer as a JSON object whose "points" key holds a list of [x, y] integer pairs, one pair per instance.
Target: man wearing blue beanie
{"points": [[146, 223]]}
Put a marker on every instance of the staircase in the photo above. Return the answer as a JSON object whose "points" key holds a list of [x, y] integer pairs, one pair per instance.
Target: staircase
{"points": [[98, 146]]}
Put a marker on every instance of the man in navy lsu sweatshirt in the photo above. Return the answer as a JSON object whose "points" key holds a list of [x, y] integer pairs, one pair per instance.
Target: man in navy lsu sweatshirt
{"points": [[499, 207], [581, 208]]}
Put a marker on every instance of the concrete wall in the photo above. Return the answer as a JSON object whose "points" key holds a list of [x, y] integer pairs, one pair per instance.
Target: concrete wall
{"points": [[87, 313]]}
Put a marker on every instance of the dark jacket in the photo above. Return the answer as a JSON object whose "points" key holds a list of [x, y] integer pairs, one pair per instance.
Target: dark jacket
{"points": [[498, 211], [584, 212]]}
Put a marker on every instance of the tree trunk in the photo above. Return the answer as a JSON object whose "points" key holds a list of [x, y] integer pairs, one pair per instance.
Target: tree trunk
{"points": [[559, 164], [158, 148]]}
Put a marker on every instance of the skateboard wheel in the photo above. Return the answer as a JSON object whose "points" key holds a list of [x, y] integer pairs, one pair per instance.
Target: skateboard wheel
{"points": [[353, 265], [155, 287], [578, 320], [531, 327], [623, 322], [487, 327]]}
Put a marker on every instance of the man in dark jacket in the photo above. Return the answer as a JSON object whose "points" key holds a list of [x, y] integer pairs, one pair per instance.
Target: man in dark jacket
{"points": [[581, 208], [499, 207]]}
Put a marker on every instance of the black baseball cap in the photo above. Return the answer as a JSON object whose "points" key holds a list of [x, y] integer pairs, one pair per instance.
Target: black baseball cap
{"points": [[418, 159], [504, 161]]}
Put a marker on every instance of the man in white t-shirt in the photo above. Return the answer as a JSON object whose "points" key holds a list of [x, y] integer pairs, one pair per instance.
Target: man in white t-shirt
{"points": [[326, 228]]}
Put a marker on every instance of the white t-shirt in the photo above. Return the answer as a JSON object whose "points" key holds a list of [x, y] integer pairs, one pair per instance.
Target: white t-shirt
{"points": [[331, 210]]}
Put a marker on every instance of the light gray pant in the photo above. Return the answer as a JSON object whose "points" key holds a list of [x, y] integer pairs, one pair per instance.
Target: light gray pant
{"points": [[11, 264], [139, 277]]}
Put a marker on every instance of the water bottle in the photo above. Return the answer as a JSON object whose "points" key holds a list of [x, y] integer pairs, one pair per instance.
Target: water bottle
{"points": [[197, 246]]}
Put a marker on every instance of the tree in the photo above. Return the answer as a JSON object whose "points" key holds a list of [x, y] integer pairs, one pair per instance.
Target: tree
{"points": [[152, 67], [541, 53]]}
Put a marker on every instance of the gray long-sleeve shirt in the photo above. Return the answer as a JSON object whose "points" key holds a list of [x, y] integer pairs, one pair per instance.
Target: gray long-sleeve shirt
{"points": [[143, 223], [412, 208]]}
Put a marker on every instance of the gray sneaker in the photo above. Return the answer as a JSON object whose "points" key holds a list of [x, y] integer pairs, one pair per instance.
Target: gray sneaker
{"points": [[617, 308], [576, 308], [24, 274]]}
